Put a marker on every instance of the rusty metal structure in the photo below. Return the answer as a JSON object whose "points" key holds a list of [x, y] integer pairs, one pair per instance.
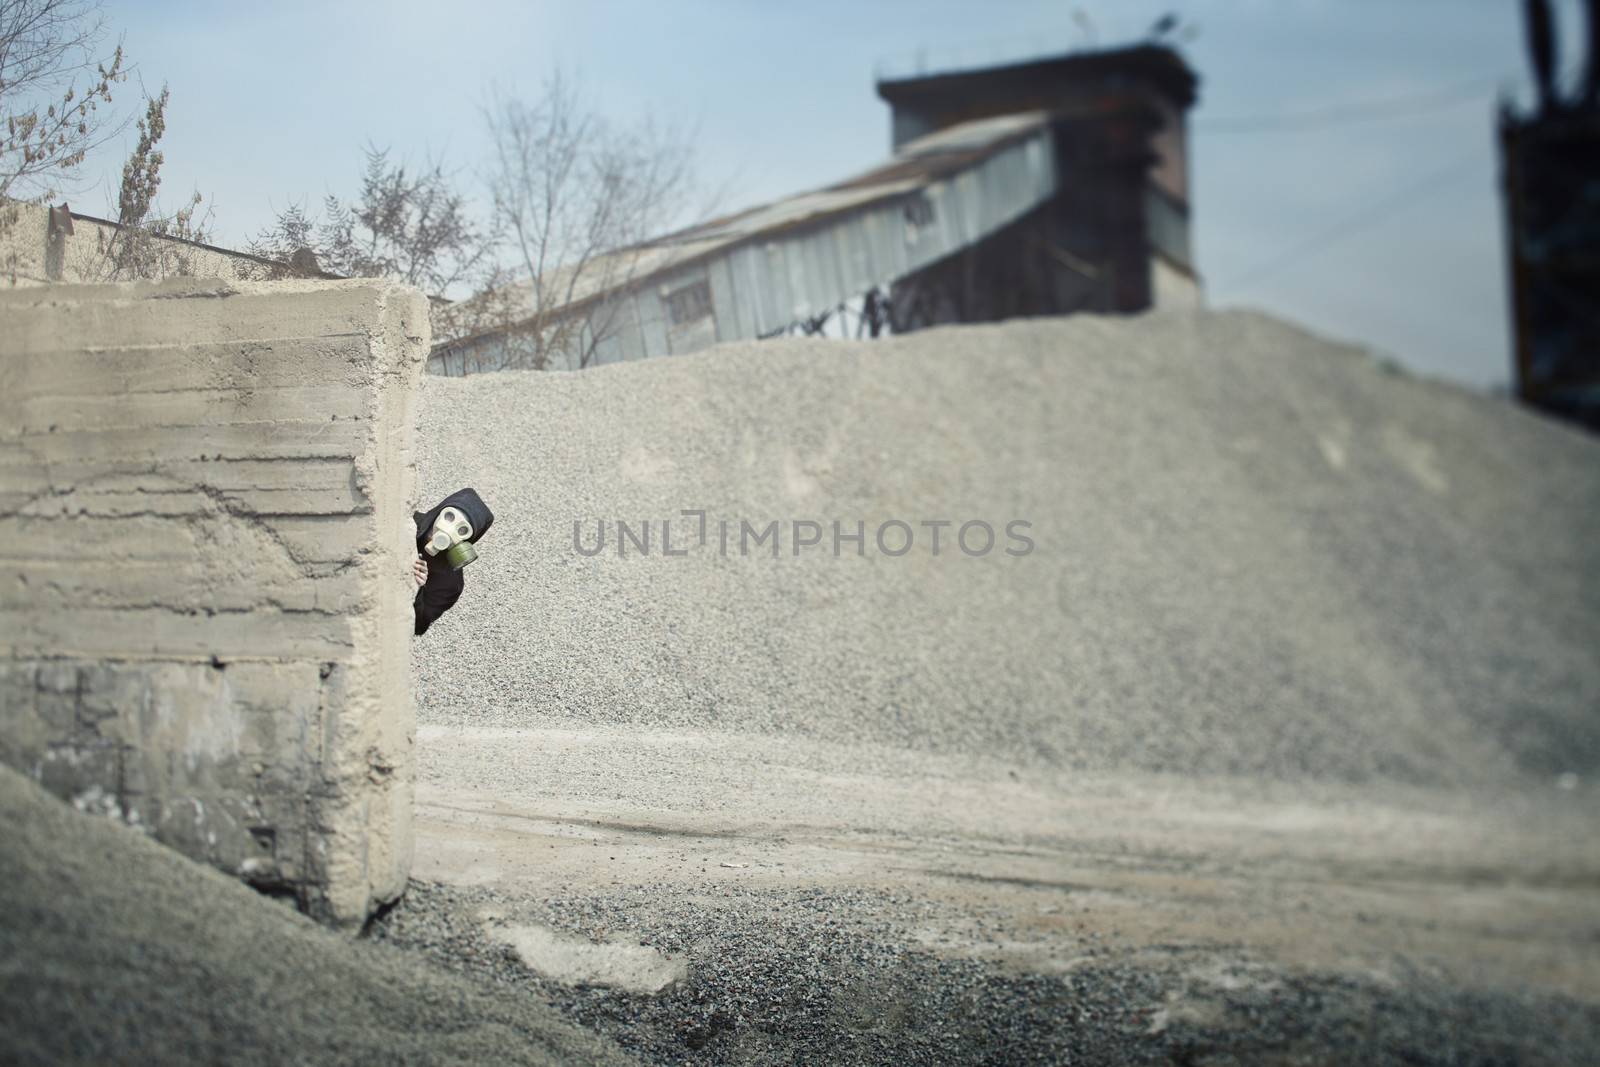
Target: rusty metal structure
{"points": [[1114, 234], [1550, 160], [1039, 188]]}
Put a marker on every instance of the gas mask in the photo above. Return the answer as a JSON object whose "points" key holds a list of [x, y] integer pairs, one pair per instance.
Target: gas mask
{"points": [[450, 530]]}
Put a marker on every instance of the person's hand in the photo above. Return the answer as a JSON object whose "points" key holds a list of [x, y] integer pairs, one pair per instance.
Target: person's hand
{"points": [[419, 570]]}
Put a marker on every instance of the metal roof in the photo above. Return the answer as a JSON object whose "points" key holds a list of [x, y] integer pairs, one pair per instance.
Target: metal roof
{"points": [[1155, 64], [974, 177]]}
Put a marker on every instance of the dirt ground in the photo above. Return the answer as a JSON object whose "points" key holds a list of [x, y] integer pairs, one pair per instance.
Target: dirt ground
{"points": [[969, 859], [1280, 747]]}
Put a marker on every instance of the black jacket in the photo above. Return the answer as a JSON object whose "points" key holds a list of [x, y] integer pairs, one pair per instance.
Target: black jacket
{"points": [[443, 587]]}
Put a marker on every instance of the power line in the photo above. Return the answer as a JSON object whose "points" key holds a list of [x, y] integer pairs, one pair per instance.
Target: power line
{"points": [[1355, 223], [1396, 107]]}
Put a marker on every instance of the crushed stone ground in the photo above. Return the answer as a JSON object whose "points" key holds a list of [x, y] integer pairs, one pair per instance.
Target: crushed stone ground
{"points": [[1297, 610]]}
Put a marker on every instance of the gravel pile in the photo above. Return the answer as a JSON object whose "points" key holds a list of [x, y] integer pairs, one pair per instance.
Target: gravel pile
{"points": [[114, 949], [1252, 551]]}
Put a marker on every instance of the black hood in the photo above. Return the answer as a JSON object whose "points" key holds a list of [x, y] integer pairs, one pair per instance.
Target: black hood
{"points": [[466, 501]]}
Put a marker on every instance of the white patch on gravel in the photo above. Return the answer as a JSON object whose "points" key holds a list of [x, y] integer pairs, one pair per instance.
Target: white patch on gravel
{"points": [[575, 961]]}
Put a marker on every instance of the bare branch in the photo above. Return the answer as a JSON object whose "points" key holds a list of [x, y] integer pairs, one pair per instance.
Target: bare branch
{"points": [[145, 242], [577, 196], [412, 227], [53, 83]]}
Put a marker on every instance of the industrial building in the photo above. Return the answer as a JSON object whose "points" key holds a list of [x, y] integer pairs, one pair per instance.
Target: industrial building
{"points": [[1038, 188], [1551, 161]]}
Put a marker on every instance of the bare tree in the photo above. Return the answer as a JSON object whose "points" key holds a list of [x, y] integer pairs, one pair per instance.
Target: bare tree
{"points": [[294, 228], [52, 85], [575, 198], [147, 243], [413, 227], [572, 200], [53, 82]]}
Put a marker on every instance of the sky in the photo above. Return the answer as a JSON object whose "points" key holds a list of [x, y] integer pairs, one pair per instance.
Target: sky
{"points": [[1386, 231]]}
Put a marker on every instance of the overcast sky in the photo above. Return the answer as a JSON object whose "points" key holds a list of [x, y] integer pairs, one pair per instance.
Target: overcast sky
{"points": [[1387, 231]]}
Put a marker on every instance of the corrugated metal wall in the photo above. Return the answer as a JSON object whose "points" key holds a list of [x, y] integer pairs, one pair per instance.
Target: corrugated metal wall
{"points": [[767, 282], [760, 286]]}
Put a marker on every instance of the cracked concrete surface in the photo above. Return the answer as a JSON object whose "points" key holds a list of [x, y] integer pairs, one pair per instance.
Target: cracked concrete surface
{"points": [[205, 494]]}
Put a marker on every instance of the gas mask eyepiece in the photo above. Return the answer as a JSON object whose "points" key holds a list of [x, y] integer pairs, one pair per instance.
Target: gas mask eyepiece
{"points": [[449, 539]]}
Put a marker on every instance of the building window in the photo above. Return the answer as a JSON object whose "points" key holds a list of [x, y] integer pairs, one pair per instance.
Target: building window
{"points": [[919, 211], [689, 302]]}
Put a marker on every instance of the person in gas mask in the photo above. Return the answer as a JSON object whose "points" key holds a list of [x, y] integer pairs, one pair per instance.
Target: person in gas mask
{"points": [[446, 536]]}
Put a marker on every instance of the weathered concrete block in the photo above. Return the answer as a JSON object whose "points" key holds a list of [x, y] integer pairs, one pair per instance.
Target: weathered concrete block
{"points": [[205, 512]]}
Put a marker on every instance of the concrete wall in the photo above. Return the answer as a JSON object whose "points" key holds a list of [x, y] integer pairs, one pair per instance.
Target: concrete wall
{"points": [[31, 255], [205, 531]]}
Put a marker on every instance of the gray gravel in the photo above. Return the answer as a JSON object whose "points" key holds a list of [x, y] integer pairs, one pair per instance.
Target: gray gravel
{"points": [[114, 949], [1257, 552], [822, 977]]}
